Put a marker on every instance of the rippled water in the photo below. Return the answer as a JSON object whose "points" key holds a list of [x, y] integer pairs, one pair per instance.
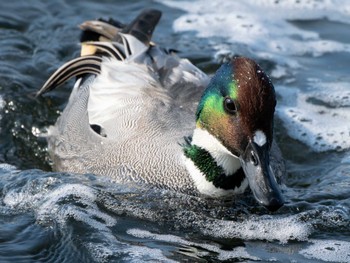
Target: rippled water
{"points": [[56, 217]]}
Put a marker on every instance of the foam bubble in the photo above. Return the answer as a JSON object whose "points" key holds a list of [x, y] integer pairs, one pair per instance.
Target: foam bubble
{"points": [[242, 22], [279, 72], [7, 167], [61, 203], [100, 252], [2, 105], [238, 252], [262, 228], [143, 254], [318, 118], [49, 204], [328, 250]]}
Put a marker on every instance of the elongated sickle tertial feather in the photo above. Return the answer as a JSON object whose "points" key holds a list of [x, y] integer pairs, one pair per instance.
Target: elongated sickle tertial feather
{"points": [[89, 64], [73, 68], [108, 48]]}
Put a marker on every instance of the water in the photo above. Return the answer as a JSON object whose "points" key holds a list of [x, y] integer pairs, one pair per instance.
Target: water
{"points": [[57, 217]]}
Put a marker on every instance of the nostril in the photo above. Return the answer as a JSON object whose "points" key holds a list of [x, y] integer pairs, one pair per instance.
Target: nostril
{"points": [[254, 158]]}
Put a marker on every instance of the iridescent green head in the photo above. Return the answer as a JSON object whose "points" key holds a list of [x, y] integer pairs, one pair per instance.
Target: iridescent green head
{"points": [[238, 102], [222, 86], [237, 109]]}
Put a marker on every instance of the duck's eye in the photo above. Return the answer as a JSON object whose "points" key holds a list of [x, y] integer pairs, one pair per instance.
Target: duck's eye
{"points": [[230, 106]]}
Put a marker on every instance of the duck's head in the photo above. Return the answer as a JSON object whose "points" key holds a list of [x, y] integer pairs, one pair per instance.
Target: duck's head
{"points": [[237, 112]]}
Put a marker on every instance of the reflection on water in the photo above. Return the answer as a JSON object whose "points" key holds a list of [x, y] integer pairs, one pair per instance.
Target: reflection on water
{"points": [[58, 217]]}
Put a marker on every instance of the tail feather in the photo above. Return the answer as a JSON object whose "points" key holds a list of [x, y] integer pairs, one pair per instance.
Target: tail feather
{"points": [[106, 39], [143, 25]]}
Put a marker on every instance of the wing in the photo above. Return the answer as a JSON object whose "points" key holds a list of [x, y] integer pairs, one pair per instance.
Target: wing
{"points": [[135, 79]]}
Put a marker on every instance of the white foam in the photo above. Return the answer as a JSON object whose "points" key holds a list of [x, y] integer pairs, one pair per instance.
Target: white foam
{"points": [[238, 252], [7, 167], [328, 250], [2, 105], [261, 228], [49, 204], [101, 253], [319, 118], [54, 204], [241, 22], [145, 254]]}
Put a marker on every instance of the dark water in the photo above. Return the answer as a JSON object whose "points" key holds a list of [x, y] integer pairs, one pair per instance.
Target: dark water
{"points": [[55, 217]]}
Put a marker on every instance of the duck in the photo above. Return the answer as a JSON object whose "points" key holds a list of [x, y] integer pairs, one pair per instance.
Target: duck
{"points": [[140, 113]]}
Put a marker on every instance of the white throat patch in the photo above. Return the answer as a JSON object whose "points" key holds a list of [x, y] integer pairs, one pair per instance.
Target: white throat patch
{"points": [[259, 138], [223, 157]]}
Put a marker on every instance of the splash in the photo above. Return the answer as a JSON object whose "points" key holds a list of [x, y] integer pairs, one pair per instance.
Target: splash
{"points": [[261, 228], [57, 204], [2, 105], [318, 118], [238, 252], [241, 22], [328, 250]]}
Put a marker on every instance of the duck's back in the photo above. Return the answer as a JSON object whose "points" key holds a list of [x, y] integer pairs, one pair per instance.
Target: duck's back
{"points": [[128, 121]]}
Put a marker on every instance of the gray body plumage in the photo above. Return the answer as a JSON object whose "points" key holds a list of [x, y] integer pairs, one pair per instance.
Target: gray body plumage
{"points": [[149, 113]]}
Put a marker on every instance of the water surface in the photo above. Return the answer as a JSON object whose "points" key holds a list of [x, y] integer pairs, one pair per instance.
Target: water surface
{"points": [[57, 217]]}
